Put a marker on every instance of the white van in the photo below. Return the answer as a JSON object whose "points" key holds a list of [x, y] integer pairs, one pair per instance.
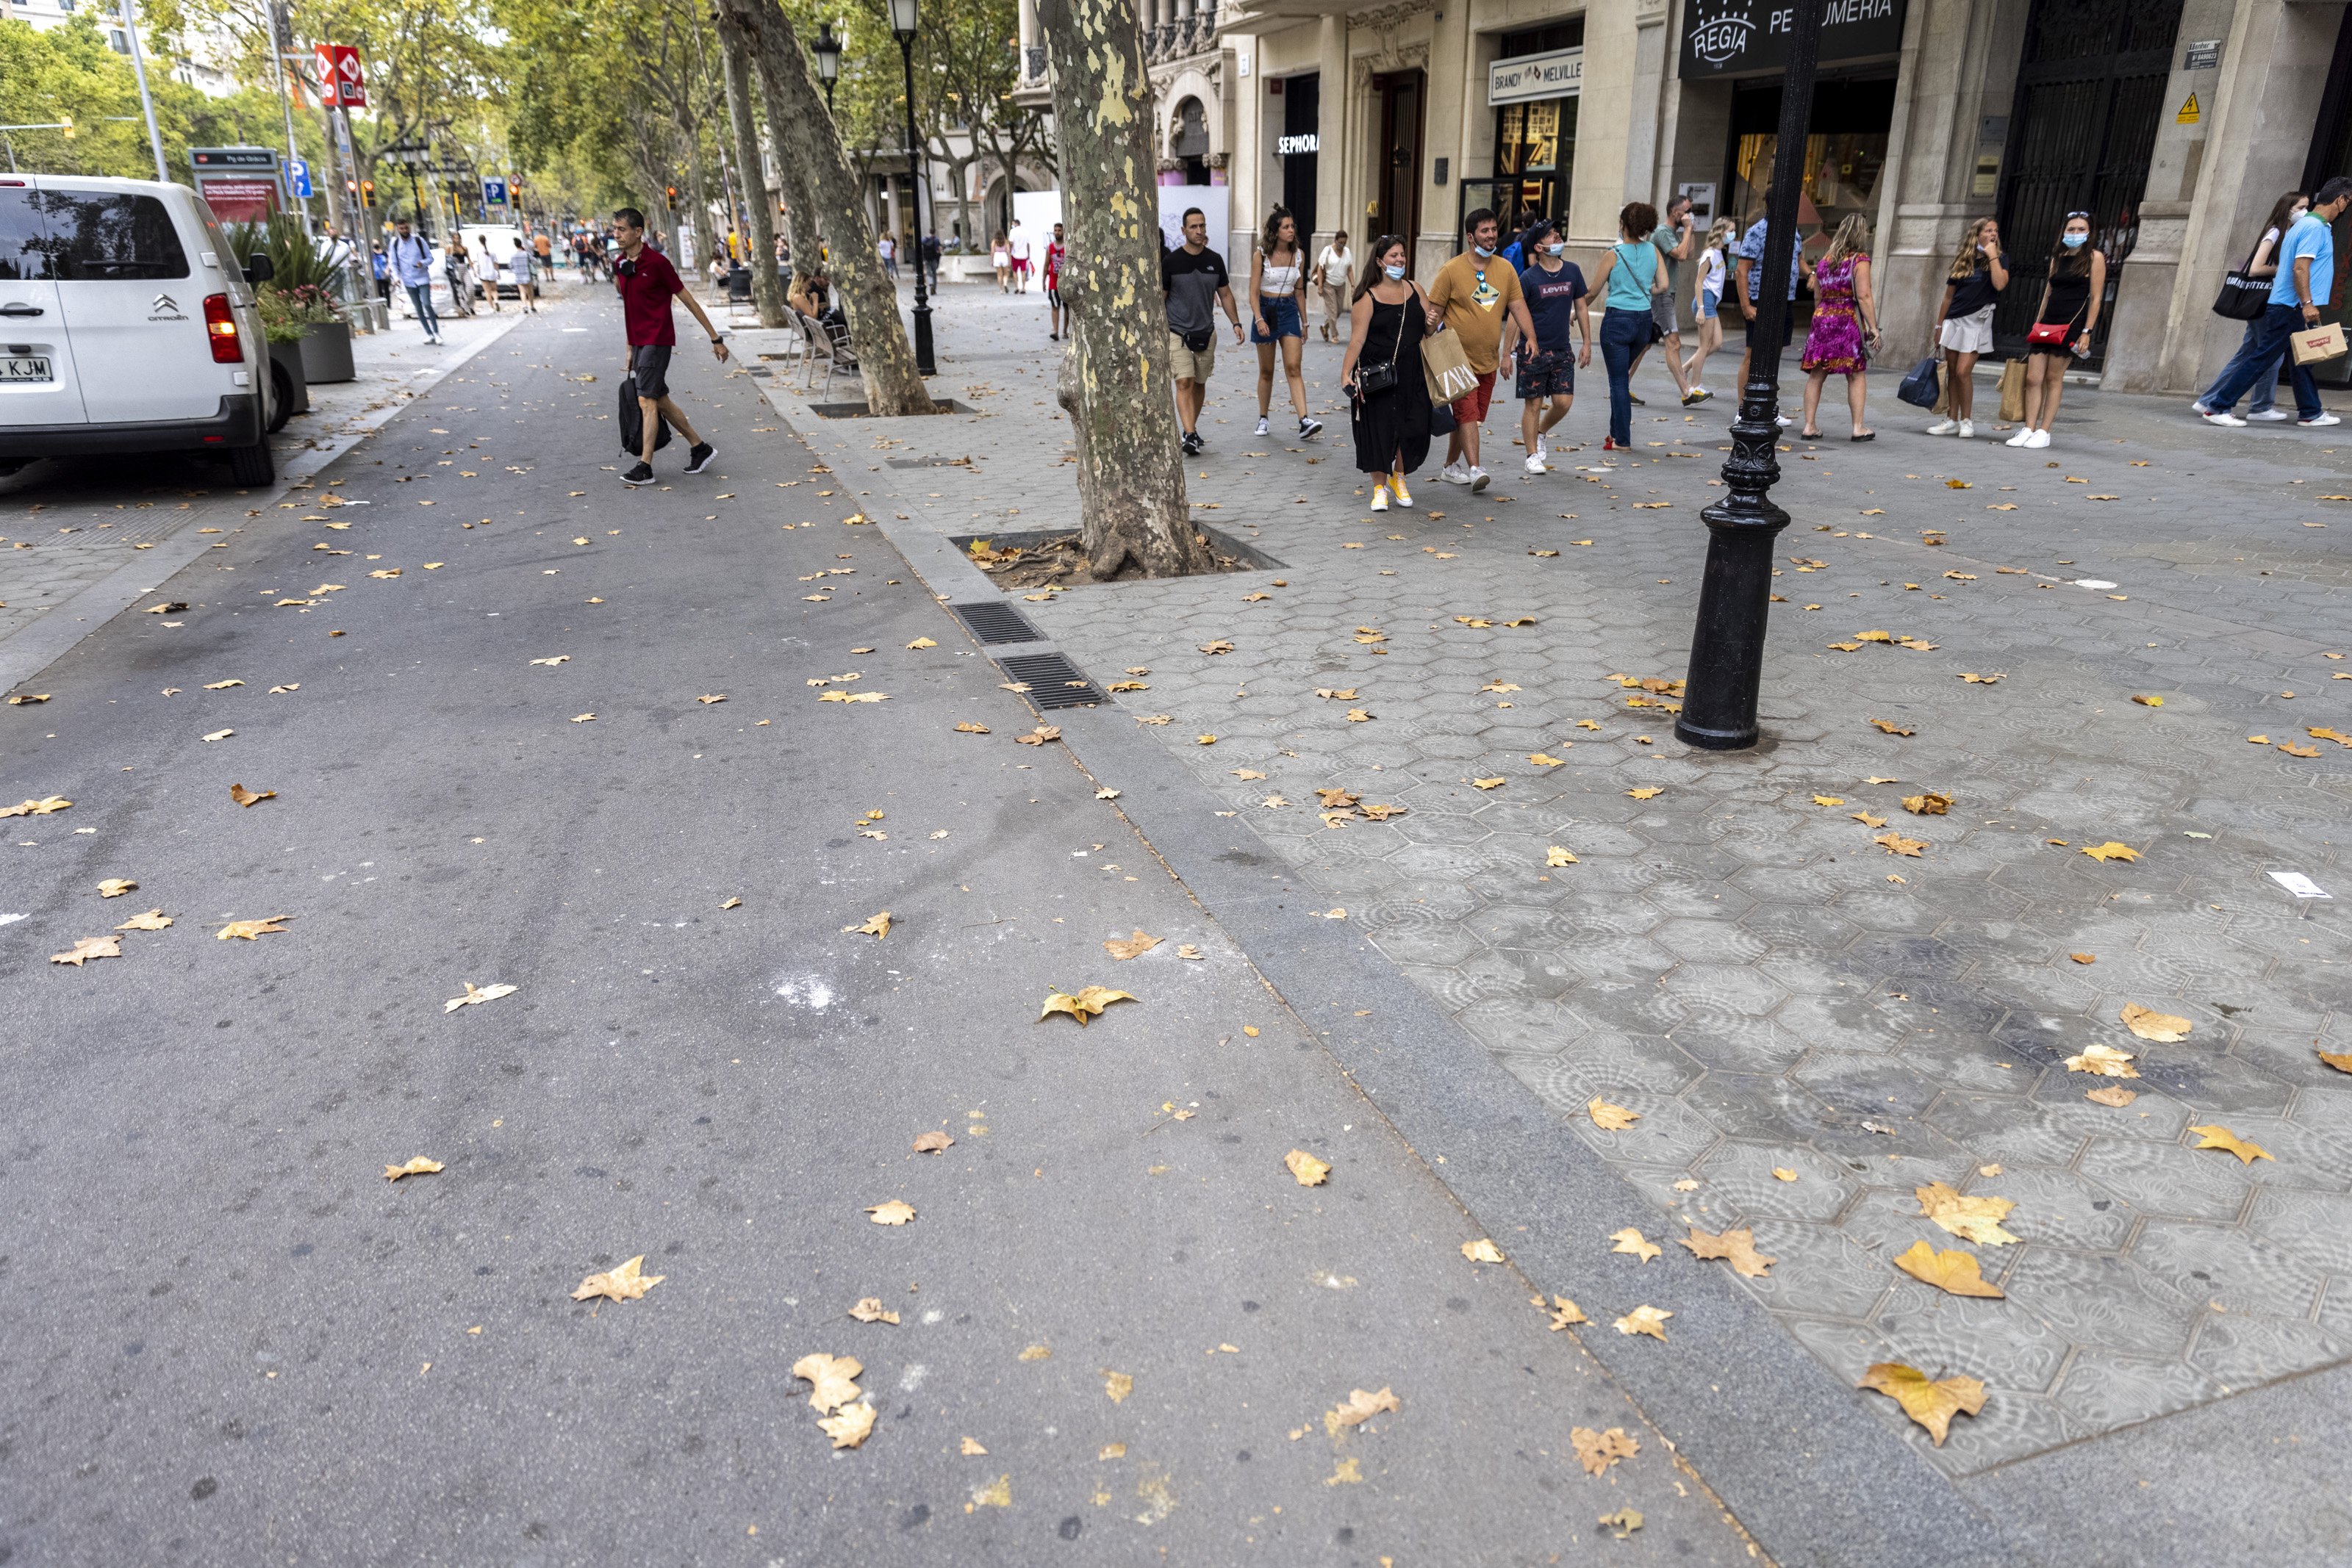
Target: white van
{"points": [[499, 239], [126, 325]]}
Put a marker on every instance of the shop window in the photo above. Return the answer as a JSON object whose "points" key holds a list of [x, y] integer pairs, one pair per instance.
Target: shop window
{"points": [[2331, 154], [1845, 153]]}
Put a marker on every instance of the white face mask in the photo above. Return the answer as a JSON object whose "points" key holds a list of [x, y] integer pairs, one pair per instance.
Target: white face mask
{"points": [[1396, 274], [1554, 248], [1483, 250]]}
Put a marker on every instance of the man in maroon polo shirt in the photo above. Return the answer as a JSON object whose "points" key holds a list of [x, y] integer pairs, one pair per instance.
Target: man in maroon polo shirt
{"points": [[646, 282]]}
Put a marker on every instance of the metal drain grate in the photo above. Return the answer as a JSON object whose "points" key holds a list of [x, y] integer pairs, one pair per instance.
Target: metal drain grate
{"points": [[1053, 680], [995, 623]]}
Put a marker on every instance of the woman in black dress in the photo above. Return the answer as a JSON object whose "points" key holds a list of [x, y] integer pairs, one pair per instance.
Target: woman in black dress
{"points": [[1391, 421], [2070, 308]]}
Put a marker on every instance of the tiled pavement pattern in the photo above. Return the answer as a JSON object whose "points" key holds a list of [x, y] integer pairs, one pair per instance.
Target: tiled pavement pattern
{"points": [[1746, 967], [56, 540]]}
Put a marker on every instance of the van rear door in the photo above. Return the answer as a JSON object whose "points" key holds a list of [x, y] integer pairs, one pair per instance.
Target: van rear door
{"points": [[134, 305], [38, 384]]}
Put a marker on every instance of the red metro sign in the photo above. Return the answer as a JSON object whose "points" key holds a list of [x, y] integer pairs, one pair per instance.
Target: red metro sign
{"points": [[341, 83]]}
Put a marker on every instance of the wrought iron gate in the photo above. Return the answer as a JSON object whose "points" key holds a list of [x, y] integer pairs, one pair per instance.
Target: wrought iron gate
{"points": [[2089, 94]]}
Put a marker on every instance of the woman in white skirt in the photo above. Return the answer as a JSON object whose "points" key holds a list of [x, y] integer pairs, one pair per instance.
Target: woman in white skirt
{"points": [[1963, 326], [485, 273]]}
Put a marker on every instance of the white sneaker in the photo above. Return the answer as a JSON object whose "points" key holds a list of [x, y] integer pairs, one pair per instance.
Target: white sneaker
{"points": [[2230, 419], [1480, 478], [1455, 474], [1262, 427], [2270, 416], [1535, 464], [1380, 498], [2316, 423], [1543, 445], [2038, 440], [2198, 408], [1783, 421], [2022, 438], [1944, 428], [1967, 431]]}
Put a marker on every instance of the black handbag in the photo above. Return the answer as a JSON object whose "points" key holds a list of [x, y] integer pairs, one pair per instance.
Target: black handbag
{"points": [[2243, 296], [1920, 389], [1199, 341], [1370, 379]]}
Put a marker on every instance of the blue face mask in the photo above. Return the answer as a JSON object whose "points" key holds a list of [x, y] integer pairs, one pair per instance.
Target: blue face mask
{"points": [[1396, 274], [2075, 242], [1483, 250], [1554, 248]]}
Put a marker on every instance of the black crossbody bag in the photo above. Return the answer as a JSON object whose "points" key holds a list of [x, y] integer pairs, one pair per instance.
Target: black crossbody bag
{"points": [[1370, 379]]}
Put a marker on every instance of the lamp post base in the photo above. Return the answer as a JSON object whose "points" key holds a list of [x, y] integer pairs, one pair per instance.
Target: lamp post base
{"points": [[923, 365], [1727, 664]]}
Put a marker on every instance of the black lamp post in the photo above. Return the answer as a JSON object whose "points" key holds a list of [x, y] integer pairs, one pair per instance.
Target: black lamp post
{"points": [[827, 50], [1727, 664], [903, 20]]}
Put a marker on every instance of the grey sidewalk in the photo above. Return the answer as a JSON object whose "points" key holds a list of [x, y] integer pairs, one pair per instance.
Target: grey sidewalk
{"points": [[1740, 964]]}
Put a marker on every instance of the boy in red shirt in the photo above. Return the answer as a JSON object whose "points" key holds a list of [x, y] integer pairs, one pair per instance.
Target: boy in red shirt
{"points": [[1056, 253], [646, 282]]}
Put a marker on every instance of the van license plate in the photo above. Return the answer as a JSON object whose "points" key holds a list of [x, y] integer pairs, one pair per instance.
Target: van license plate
{"points": [[26, 368]]}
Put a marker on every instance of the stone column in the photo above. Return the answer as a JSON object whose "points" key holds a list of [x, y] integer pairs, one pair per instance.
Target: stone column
{"points": [[1445, 121], [1331, 133], [1651, 70], [2211, 185], [1029, 44]]}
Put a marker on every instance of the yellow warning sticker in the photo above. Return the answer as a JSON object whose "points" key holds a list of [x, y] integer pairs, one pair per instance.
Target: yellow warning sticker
{"points": [[2188, 114]]}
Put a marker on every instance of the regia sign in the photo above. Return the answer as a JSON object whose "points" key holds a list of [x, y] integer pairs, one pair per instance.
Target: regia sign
{"points": [[1560, 74], [1739, 37]]}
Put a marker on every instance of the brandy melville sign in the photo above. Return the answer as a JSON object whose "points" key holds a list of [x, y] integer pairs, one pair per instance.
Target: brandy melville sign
{"points": [[1560, 74], [1739, 37]]}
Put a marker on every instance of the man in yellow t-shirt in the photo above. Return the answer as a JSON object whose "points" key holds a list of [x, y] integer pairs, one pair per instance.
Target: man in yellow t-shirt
{"points": [[1471, 295]]}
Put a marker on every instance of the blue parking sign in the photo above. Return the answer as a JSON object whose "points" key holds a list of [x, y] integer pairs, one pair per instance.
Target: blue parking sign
{"points": [[494, 190], [298, 180]]}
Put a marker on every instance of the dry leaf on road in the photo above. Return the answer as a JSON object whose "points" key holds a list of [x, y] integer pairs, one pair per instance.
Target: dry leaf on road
{"points": [[2111, 851], [252, 930], [244, 797], [2114, 1094], [1622, 1524], [1885, 729], [89, 947], [420, 1166], [932, 1143], [1360, 1406], [1782, 1172], [2342, 1063], [1931, 804], [1644, 1320], [1482, 1251], [1896, 844], [879, 925], [116, 887], [156, 920], [1975, 1219], [1931, 1403], [850, 1427], [1646, 792], [869, 1310], [1737, 1247], [1598, 1450], [972, 1447], [1085, 1004], [2149, 1024], [1953, 1271], [1557, 856], [1609, 1117], [626, 1283], [1131, 947], [2219, 1137], [833, 1379], [49, 807], [475, 995], [968, 727], [1041, 734], [1565, 1313], [891, 1213], [1118, 1385], [2103, 1059], [1630, 1240], [1308, 1170]]}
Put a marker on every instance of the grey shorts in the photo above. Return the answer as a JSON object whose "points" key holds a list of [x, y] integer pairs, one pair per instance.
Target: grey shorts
{"points": [[1662, 311], [650, 365]]}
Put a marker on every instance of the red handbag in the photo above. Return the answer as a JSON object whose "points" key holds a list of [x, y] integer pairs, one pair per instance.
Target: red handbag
{"points": [[2051, 334]]}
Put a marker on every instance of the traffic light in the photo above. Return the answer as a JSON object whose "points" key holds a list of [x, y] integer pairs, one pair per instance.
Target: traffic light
{"points": [[67, 125], [367, 193], [672, 192]]}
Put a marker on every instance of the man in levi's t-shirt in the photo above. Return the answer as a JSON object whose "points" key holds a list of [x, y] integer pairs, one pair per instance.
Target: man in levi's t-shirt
{"points": [[647, 283]]}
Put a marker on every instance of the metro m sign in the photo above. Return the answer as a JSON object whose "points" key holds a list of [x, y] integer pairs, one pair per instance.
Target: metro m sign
{"points": [[340, 82]]}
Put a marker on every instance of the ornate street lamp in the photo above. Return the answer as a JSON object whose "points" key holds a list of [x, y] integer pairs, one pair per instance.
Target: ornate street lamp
{"points": [[1727, 665], [903, 22], [827, 50]]}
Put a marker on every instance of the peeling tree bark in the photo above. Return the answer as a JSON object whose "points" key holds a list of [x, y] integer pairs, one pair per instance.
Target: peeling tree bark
{"points": [[1115, 377], [767, 288], [806, 140]]}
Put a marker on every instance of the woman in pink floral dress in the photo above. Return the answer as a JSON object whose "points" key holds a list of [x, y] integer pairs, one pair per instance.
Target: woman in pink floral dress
{"points": [[1844, 327]]}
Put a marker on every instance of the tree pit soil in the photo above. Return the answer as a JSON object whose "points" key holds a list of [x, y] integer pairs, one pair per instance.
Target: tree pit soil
{"points": [[1018, 562]]}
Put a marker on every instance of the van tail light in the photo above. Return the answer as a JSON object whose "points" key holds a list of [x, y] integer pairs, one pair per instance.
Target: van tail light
{"points": [[220, 326]]}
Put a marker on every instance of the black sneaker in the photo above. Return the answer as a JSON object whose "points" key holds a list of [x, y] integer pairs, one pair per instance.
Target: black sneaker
{"points": [[698, 457], [1192, 443], [643, 474], [1309, 428]]}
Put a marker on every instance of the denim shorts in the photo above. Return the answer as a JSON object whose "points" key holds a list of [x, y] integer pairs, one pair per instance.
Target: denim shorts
{"points": [[1281, 313]]}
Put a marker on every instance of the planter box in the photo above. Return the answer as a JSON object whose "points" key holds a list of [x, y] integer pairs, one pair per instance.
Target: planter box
{"points": [[326, 353], [287, 357]]}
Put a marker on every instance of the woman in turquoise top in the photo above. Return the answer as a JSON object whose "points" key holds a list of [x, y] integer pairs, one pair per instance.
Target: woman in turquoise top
{"points": [[1629, 276]]}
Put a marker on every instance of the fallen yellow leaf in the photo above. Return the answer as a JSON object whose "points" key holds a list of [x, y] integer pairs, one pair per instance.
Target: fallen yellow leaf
{"points": [[1953, 1271], [1737, 1247], [1647, 793], [1645, 1319], [1782, 1172], [879, 925], [1630, 1240], [833, 1379], [932, 1143], [1557, 856], [1308, 1170], [869, 1310], [2114, 1094], [473, 997], [1487, 783], [1360, 1406], [1609, 1117], [1118, 1385], [115, 887], [420, 1166], [89, 947], [1132, 947], [2219, 1137], [891, 1213], [2149, 1024], [1976, 1219], [1930, 1402], [626, 1283], [244, 797], [2111, 851], [1596, 1451], [2103, 1059], [1085, 1004], [1482, 1251], [252, 930], [1565, 1313], [156, 920]]}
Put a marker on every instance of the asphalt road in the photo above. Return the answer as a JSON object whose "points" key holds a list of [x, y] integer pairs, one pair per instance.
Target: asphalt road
{"points": [[228, 1339]]}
